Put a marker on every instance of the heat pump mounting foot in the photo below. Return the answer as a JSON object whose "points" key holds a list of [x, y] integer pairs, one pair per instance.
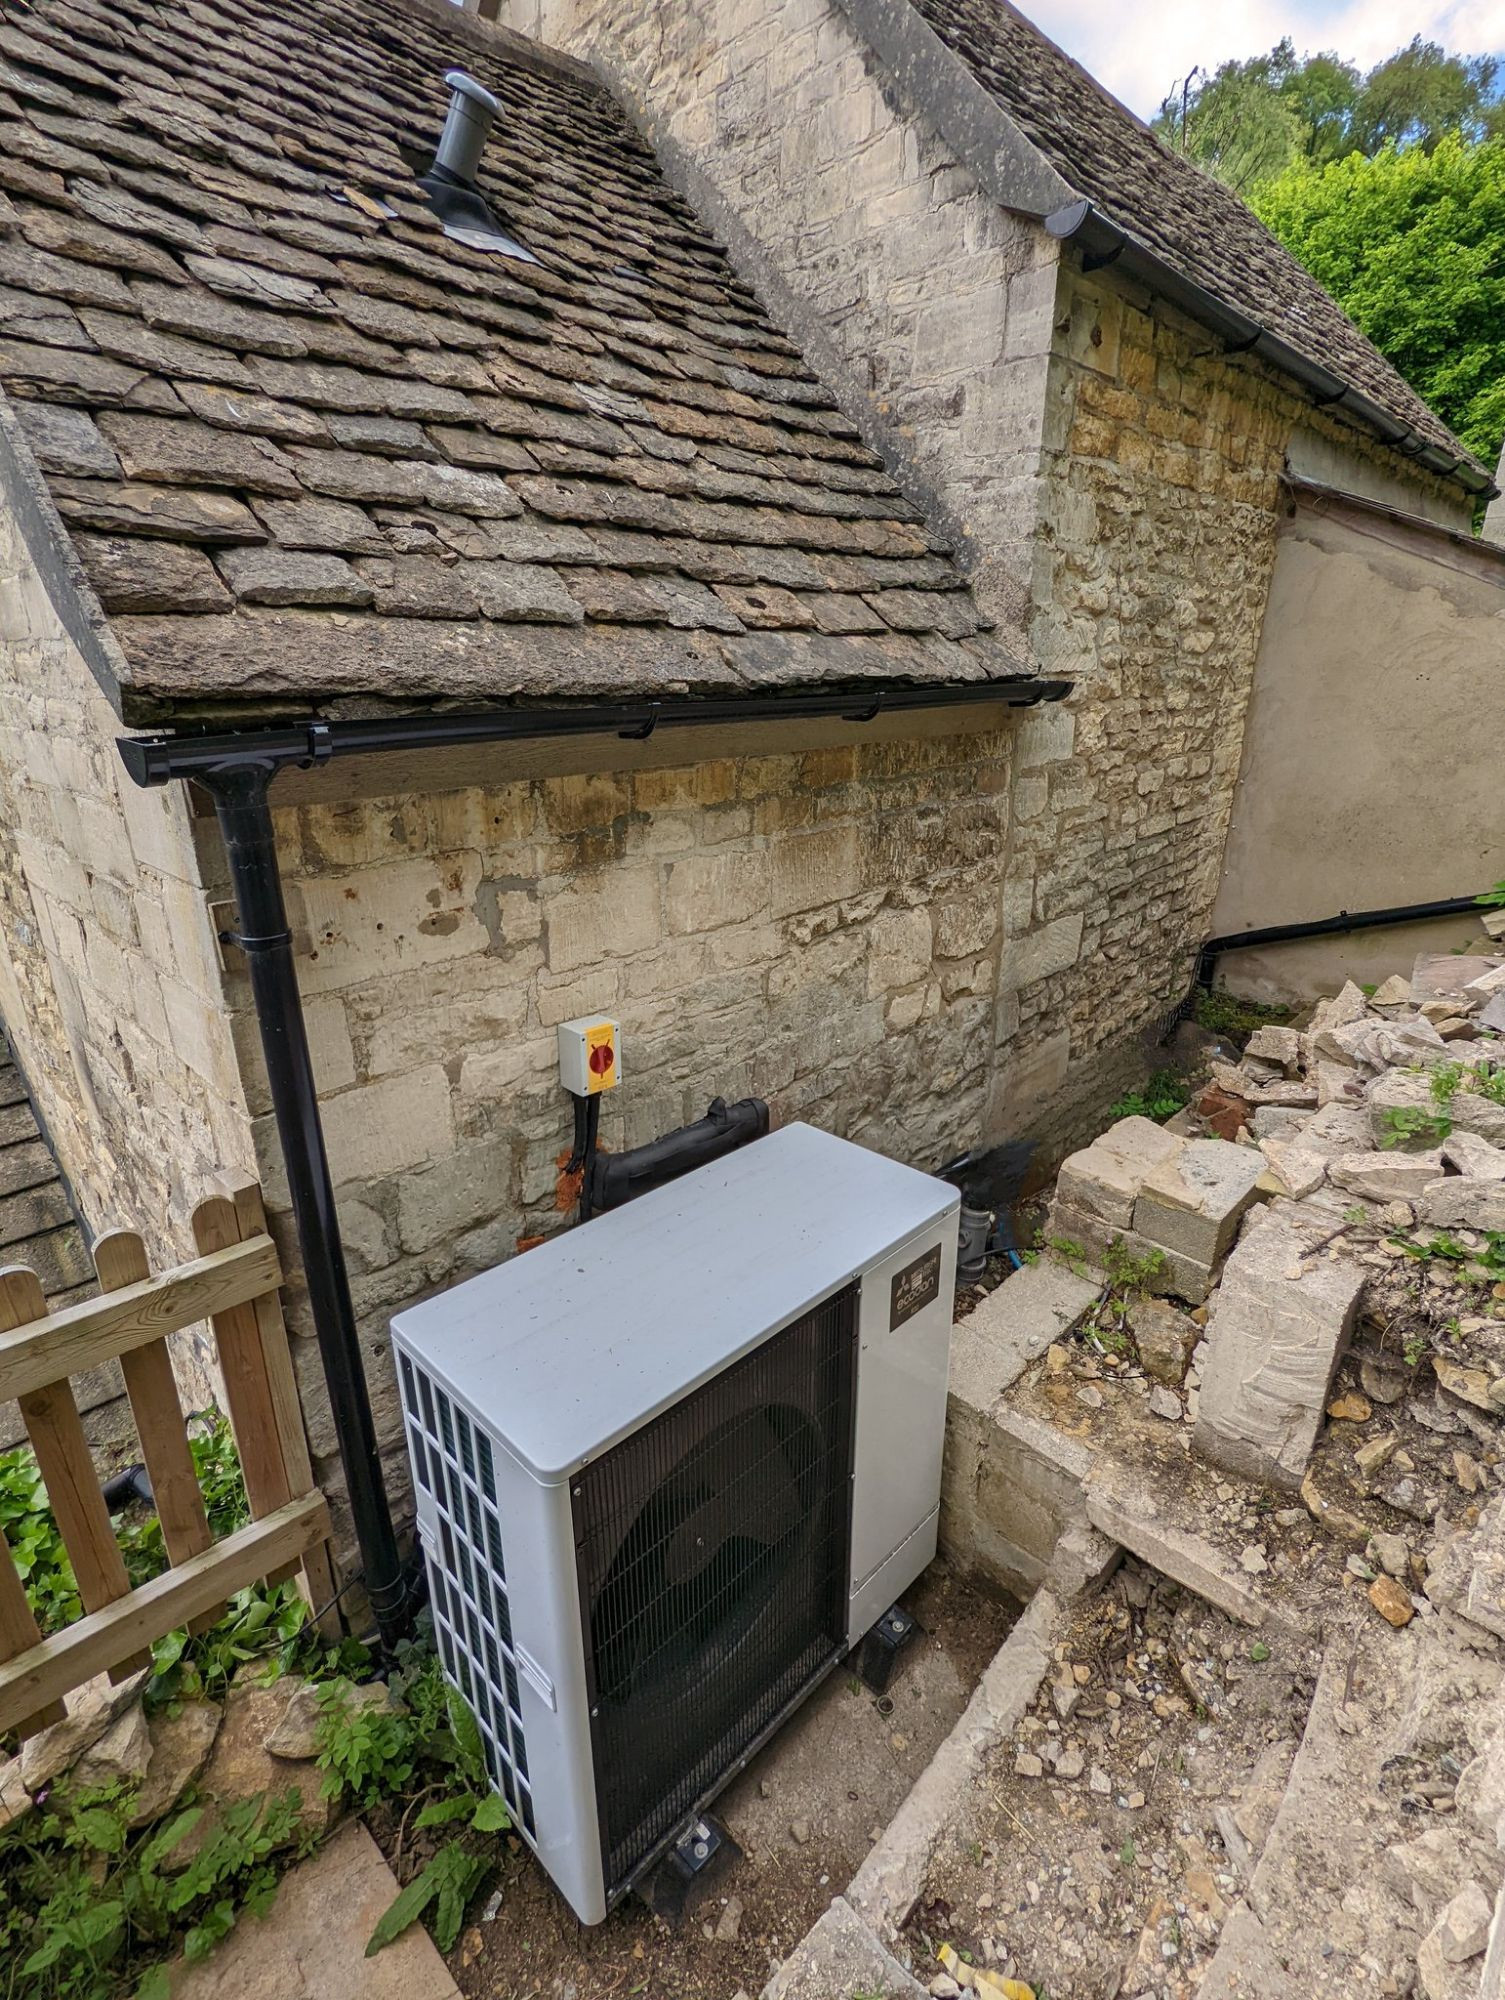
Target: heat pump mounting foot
{"points": [[878, 1655], [700, 1850]]}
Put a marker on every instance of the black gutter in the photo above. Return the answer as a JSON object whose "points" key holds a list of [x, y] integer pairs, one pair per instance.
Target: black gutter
{"points": [[237, 770], [1104, 243], [1343, 922], [155, 760]]}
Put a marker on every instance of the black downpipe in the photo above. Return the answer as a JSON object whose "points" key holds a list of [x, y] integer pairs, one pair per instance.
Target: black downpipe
{"points": [[1344, 921], [239, 792]]}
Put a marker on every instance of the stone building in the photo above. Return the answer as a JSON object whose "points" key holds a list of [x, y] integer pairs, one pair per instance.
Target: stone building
{"points": [[838, 428], [275, 449], [1113, 385]]}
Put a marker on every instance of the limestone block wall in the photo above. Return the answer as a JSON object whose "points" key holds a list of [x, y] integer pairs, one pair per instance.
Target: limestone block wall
{"points": [[1161, 500], [819, 927], [109, 983], [925, 305]]}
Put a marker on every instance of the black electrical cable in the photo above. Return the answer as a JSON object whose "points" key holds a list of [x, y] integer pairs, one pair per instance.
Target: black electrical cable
{"points": [[582, 1128], [592, 1127]]}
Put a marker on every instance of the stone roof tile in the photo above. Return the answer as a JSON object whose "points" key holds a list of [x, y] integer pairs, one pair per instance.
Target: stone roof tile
{"points": [[312, 448]]}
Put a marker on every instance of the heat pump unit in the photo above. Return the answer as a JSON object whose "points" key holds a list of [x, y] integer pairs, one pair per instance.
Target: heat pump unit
{"points": [[669, 1468]]}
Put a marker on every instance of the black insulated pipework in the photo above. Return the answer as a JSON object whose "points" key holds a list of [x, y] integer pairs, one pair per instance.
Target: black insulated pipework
{"points": [[239, 792], [613, 1179]]}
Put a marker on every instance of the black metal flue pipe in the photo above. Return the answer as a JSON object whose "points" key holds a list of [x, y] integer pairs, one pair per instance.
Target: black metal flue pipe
{"points": [[239, 792]]}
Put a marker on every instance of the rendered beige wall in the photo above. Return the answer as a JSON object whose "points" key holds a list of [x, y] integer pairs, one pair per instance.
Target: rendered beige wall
{"points": [[1373, 772]]}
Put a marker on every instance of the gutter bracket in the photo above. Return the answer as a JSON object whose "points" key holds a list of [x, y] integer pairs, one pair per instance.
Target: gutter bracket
{"points": [[640, 732]]}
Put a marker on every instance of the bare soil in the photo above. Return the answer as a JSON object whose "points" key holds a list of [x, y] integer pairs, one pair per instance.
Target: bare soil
{"points": [[1110, 1833], [804, 1814]]}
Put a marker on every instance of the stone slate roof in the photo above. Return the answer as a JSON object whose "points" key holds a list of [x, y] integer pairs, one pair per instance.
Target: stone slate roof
{"points": [[307, 447], [1190, 221]]}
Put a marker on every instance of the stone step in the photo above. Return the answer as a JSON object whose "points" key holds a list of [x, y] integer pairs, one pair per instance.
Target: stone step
{"points": [[1013, 1326], [311, 1943]]}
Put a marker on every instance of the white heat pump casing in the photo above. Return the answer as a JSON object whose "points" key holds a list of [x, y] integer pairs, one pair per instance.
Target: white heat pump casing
{"points": [[555, 1357]]}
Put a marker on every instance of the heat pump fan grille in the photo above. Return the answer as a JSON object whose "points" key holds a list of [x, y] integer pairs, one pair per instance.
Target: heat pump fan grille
{"points": [[452, 1461], [712, 1549]]}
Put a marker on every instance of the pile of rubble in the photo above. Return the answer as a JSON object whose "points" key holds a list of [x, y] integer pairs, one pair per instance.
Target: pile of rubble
{"points": [[1326, 1230]]}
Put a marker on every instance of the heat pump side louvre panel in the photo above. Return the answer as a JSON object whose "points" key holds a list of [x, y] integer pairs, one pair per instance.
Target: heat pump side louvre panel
{"points": [[713, 1556], [500, 1564]]}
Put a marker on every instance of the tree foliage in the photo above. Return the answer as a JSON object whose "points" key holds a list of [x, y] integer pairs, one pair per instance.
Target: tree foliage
{"points": [[1412, 244], [1249, 121]]}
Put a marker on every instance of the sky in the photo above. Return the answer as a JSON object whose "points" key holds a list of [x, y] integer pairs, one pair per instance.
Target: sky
{"points": [[1140, 52]]}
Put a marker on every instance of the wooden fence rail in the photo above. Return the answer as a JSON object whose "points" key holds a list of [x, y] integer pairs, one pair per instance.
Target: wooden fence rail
{"points": [[234, 1283]]}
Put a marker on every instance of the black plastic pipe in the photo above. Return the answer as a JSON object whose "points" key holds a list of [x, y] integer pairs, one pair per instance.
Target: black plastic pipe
{"points": [[1345, 920], [239, 791]]}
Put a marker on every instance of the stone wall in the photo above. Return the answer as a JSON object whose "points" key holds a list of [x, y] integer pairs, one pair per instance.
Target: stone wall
{"points": [[1115, 479], [1161, 499], [109, 983], [819, 928]]}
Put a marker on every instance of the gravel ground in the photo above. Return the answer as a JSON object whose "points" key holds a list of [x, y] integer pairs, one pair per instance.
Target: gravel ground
{"points": [[1110, 1833]]}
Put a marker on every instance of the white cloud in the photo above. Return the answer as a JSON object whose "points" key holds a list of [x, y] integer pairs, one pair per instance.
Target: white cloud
{"points": [[1139, 54]]}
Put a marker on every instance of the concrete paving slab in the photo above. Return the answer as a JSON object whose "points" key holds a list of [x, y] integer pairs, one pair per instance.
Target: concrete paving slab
{"points": [[311, 1944], [839, 1957]]}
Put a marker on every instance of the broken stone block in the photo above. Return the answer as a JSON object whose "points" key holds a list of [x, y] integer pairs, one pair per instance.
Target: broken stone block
{"points": [[1398, 1100], [1105, 1178], [1387, 1176], [1165, 1339], [1462, 1201], [1278, 1121], [119, 1757], [91, 1711], [1299, 1169], [1167, 1272], [1462, 1931], [1192, 1204], [1240, 1082], [181, 1740], [1281, 1046], [1468, 1154], [1347, 1005], [1394, 994], [1278, 1329]]}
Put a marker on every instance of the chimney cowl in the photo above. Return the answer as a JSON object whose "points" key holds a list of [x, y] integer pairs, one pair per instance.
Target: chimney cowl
{"points": [[466, 128], [451, 184]]}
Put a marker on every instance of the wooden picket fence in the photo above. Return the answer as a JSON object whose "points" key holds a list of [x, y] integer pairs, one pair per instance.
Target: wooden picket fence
{"points": [[234, 1283]]}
